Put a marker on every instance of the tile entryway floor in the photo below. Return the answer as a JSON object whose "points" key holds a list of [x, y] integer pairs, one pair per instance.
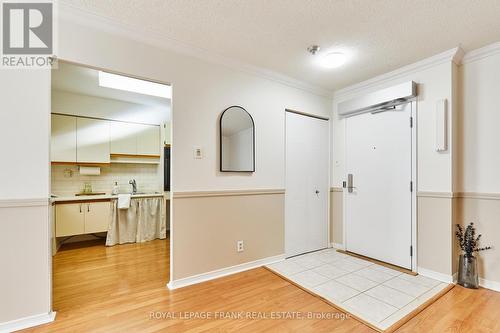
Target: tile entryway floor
{"points": [[376, 294]]}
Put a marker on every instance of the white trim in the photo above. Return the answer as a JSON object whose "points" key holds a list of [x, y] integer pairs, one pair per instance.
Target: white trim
{"points": [[87, 18], [338, 246], [184, 282], [414, 176], [435, 275], [430, 194], [481, 53], [454, 55], [224, 193], [26, 322], [29, 202], [489, 284]]}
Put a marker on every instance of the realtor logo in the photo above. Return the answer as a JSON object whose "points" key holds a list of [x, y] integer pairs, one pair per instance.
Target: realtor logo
{"points": [[27, 28]]}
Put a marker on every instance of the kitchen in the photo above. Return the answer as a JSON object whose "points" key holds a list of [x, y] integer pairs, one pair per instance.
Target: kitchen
{"points": [[110, 156]]}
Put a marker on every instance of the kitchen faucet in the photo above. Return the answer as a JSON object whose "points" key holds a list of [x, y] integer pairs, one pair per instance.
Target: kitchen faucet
{"points": [[134, 186]]}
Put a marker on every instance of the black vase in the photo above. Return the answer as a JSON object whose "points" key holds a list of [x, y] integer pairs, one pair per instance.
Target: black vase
{"points": [[467, 272]]}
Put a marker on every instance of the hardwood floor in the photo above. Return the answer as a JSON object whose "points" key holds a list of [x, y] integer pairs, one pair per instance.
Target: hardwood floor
{"points": [[120, 289]]}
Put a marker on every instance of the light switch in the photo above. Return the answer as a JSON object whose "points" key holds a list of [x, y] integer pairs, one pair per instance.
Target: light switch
{"points": [[197, 153]]}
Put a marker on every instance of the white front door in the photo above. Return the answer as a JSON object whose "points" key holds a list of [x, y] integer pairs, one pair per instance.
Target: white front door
{"points": [[378, 207], [306, 198]]}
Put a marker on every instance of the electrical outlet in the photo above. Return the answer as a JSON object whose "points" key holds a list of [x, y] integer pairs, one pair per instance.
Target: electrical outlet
{"points": [[239, 246]]}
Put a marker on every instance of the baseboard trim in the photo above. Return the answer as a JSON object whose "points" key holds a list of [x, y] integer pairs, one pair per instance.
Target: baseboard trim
{"points": [[435, 275], [27, 322], [184, 282], [337, 246], [488, 284]]}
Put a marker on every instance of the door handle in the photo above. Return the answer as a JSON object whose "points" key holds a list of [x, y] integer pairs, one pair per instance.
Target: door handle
{"points": [[88, 208], [350, 187], [80, 208]]}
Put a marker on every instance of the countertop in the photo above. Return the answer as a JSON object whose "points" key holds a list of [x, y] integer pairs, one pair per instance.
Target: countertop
{"points": [[105, 197]]}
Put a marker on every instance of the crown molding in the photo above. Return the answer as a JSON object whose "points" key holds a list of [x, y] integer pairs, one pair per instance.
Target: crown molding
{"points": [[71, 13], [481, 53], [454, 55]]}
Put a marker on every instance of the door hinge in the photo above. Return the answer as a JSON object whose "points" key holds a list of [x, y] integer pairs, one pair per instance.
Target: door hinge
{"points": [[411, 186], [411, 250], [411, 122]]}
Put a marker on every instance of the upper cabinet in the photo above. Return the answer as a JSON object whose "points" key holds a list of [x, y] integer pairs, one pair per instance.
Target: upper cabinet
{"points": [[63, 143], [148, 140], [167, 135], [135, 139], [84, 140], [123, 138], [92, 140]]}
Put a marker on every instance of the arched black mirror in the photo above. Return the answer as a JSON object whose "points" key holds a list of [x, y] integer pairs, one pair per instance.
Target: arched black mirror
{"points": [[237, 140]]}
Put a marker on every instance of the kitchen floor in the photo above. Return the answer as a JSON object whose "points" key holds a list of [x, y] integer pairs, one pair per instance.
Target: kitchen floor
{"points": [[379, 295]]}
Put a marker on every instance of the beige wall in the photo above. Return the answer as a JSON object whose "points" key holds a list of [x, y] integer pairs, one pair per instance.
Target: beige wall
{"points": [[206, 229], [336, 216], [485, 213], [24, 279], [24, 218], [478, 181], [434, 233]]}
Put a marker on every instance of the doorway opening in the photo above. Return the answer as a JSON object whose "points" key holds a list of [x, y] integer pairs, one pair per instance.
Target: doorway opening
{"points": [[110, 184]]}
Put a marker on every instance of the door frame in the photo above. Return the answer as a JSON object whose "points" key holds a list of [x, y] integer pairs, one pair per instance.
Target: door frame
{"points": [[414, 202], [328, 227], [55, 60]]}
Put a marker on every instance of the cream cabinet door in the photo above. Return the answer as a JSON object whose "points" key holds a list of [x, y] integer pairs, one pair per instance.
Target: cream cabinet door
{"points": [[63, 138], [92, 139], [124, 138], [148, 140], [167, 135], [97, 216], [70, 219]]}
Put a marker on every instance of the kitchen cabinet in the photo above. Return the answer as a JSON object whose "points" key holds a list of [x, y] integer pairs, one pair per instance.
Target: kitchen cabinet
{"points": [[135, 139], [148, 140], [123, 138], [167, 135], [92, 141], [63, 142], [81, 140], [70, 219], [82, 218], [97, 217]]}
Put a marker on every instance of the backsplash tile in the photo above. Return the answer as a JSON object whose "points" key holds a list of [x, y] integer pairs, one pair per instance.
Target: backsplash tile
{"points": [[148, 177]]}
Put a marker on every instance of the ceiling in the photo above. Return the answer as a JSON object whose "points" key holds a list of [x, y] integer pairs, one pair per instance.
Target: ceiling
{"points": [[85, 81], [378, 36]]}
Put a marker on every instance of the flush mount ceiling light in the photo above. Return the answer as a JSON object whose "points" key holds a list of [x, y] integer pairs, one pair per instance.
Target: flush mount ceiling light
{"points": [[126, 83], [333, 60]]}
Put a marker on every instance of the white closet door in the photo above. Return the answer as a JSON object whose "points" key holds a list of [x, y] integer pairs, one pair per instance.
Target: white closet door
{"points": [[306, 198], [378, 210]]}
